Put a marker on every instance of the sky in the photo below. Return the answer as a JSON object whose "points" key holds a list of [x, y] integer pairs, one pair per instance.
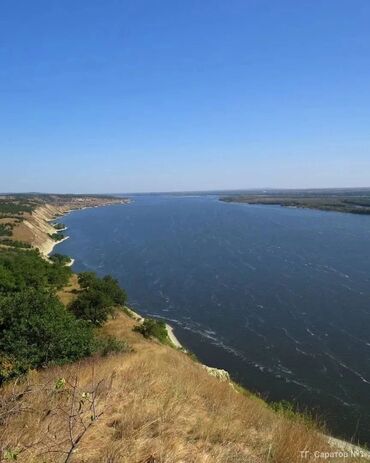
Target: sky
{"points": [[171, 95]]}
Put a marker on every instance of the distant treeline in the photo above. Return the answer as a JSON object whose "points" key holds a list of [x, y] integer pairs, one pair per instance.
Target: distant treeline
{"points": [[339, 202]]}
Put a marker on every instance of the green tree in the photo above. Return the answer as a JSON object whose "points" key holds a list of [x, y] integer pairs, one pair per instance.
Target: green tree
{"points": [[35, 329], [87, 279], [98, 298], [93, 306], [28, 269], [112, 288]]}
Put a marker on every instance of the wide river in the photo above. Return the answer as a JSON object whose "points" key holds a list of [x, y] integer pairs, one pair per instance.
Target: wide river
{"points": [[279, 297]]}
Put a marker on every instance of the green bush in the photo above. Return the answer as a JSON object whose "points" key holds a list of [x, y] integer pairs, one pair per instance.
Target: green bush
{"points": [[93, 306], [5, 229], [20, 270], [60, 259], [57, 236], [111, 345], [112, 289], [59, 226], [87, 279], [36, 330], [15, 243], [151, 328], [106, 285], [98, 299]]}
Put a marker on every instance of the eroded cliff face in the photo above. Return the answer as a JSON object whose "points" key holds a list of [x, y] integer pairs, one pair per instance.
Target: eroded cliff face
{"points": [[36, 227]]}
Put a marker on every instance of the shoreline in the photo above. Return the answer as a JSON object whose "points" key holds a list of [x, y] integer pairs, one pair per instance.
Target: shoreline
{"points": [[42, 219], [49, 247], [173, 338], [70, 263], [170, 330]]}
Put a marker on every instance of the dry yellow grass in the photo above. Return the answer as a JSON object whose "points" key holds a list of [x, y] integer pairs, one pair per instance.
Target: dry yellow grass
{"points": [[152, 405], [68, 293]]}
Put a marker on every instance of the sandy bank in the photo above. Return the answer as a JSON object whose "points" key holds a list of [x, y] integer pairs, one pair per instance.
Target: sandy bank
{"points": [[170, 332], [48, 245], [72, 261], [173, 338]]}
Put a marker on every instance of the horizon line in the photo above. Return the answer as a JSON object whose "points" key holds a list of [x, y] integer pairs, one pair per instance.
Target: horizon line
{"points": [[209, 191]]}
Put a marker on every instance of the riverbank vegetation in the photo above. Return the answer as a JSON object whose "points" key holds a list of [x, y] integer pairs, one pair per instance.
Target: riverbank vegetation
{"points": [[60, 259], [157, 329], [57, 236], [59, 226]]}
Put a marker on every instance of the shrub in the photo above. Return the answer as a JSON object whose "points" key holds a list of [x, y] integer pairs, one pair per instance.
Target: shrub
{"points": [[111, 345], [98, 299], [59, 226], [35, 330], [15, 243], [56, 236], [60, 259], [107, 285], [15, 207], [93, 306], [112, 289], [151, 328], [87, 279], [5, 229], [20, 270]]}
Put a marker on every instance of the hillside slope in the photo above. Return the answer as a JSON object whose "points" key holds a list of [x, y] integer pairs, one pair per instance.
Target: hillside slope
{"points": [[154, 404]]}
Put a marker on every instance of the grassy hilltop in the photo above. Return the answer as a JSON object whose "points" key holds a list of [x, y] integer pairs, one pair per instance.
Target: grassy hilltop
{"points": [[83, 380]]}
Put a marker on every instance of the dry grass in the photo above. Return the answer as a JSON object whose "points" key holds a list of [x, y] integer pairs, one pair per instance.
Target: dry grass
{"points": [[153, 403], [69, 292]]}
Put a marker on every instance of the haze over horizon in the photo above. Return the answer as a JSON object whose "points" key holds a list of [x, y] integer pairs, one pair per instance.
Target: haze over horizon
{"points": [[184, 96]]}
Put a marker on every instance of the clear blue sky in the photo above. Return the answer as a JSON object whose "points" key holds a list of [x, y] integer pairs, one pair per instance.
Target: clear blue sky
{"points": [[160, 95]]}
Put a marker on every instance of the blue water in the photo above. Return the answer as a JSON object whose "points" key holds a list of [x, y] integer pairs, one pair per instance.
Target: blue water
{"points": [[279, 297]]}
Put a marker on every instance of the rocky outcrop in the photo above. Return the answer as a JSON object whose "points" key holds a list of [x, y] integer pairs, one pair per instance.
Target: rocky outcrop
{"points": [[222, 375]]}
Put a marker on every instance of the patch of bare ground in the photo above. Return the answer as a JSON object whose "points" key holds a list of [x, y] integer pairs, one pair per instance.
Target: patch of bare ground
{"points": [[154, 405]]}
